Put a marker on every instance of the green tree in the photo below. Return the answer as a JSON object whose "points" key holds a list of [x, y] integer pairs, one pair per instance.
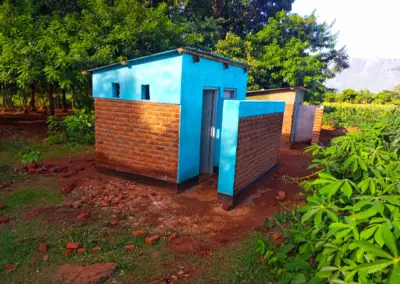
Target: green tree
{"points": [[290, 51]]}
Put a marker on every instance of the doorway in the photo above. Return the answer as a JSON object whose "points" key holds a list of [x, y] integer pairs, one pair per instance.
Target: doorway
{"points": [[208, 131]]}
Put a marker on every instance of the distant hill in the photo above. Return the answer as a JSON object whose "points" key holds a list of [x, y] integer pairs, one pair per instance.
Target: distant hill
{"points": [[375, 74]]}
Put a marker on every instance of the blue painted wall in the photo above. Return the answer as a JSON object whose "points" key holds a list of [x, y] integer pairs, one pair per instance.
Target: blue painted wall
{"points": [[232, 112], [163, 73], [195, 77]]}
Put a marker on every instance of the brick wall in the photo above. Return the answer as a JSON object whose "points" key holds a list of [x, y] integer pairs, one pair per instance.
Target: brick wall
{"points": [[287, 123], [138, 137], [258, 146], [319, 113]]}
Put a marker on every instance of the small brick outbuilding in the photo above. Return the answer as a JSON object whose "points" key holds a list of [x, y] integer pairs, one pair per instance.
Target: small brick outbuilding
{"points": [[301, 123], [161, 116]]}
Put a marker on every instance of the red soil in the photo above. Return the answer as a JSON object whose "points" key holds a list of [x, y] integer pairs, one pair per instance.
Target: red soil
{"points": [[201, 223]]}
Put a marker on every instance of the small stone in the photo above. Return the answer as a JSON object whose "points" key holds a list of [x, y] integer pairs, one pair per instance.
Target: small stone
{"points": [[83, 216], [174, 278], [186, 275], [280, 196], [43, 248], [181, 272], [77, 204], [45, 257], [10, 267], [4, 220], [68, 204], [67, 175], [128, 247], [73, 245], [68, 251], [81, 250], [139, 233], [113, 222], [116, 200], [226, 207], [173, 236], [95, 249], [151, 240]]}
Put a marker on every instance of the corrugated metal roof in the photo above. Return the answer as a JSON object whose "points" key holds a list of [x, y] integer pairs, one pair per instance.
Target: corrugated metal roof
{"points": [[188, 50]]}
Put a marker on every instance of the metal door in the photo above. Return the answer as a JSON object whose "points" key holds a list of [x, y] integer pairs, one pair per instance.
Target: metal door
{"points": [[208, 131]]}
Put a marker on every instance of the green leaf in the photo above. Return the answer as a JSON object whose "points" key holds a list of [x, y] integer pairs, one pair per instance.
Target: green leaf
{"points": [[332, 188], [395, 276], [299, 279], [375, 266], [370, 248], [346, 189], [343, 233], [367, 233], [326, 176], [332, 215], [308, 215], [318, 219], [389, 239]]}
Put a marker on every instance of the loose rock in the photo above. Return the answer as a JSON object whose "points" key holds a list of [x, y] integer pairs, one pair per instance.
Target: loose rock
{"points": [[73, 245], [81, 250], [10, 267], [280, 196], [128, 247], [139, 233], [4, 219], [77, 204], [68, 251], [96, 249], [43, 248], [151, 240], [95, 273], [173, 236], [83, 216]]}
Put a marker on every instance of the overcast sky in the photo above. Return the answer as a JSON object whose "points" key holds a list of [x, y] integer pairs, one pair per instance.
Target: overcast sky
{"points": [[368, 28]]}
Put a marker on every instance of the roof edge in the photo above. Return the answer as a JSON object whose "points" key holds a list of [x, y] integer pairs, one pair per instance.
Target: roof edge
{"points": [[298, 88]]}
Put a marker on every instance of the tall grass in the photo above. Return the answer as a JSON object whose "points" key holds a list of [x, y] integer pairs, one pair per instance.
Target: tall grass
{"points": [[347, 115]]}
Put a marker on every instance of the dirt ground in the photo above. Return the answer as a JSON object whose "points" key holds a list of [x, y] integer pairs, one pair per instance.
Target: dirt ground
{"points": [[195, 215]]}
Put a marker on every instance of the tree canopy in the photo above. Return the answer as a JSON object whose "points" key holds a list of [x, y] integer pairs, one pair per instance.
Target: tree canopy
{"points": [[45, 44]]}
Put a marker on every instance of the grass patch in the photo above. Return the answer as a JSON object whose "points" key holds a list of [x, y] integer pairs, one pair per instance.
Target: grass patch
{"points": [[18, 252], [18, 199], [238, 265], [142, 265], [11, 150]]}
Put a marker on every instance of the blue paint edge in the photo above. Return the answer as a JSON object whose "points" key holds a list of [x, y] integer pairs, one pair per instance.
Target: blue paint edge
{"points": [[229, 135], [232, 111]]}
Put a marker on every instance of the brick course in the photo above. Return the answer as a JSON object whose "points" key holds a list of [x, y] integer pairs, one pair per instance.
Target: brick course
{"points": [[319, 113], [138, 137], [259, 140]]}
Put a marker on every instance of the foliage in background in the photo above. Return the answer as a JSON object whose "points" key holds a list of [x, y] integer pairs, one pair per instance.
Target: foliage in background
{"points": [[31, 156], [44, 45], [75, 128], [349, 231], [347, 115], [290, 51], [365, 96]]}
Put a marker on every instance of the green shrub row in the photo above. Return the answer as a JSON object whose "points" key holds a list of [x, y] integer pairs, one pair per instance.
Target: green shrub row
{"points": [[346, 115], [349, 230], [76, 128]]}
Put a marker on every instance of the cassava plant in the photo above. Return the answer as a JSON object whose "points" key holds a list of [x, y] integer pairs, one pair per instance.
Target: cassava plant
{"points": [[349, 230]]}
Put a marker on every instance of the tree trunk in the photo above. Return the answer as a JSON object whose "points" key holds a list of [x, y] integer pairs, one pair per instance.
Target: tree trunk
{"points": [[51, 99], [64, 100], [73, 97], [33, 103]]}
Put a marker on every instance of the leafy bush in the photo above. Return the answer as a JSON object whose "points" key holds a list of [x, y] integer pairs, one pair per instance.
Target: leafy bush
{"points": [[31, 156], [346, 115], [349, 231], [75, 128]]}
